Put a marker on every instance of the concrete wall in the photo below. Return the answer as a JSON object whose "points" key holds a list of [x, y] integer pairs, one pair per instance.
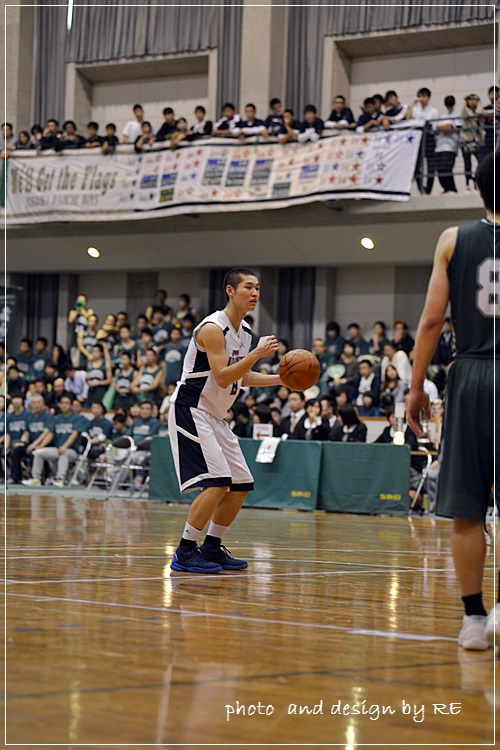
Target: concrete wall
{"points": [[458, 72], [112, 101]]}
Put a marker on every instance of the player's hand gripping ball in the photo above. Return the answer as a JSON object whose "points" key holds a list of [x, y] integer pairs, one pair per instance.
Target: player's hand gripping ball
{"points": [[299, 370]]}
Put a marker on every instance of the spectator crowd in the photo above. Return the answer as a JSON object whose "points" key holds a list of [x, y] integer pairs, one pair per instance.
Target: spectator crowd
{"points": [[117, 378], [471, 129]]}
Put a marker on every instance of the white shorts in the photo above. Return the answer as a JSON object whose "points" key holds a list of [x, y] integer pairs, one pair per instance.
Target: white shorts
{"points": [[206, 452]]}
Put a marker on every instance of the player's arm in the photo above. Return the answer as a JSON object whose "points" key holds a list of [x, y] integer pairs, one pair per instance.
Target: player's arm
{"points": [[211, 338], [429, 327], [256, 379]]}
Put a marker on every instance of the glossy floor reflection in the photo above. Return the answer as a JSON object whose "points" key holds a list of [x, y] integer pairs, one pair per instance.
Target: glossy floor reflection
{"points": [[342, 628]]}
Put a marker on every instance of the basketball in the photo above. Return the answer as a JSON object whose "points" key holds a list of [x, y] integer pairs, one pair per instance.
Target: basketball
{"points": [[299, 370]]}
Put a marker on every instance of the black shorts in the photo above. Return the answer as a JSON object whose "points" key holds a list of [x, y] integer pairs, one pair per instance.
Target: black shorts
{"points": [[467, 469]]}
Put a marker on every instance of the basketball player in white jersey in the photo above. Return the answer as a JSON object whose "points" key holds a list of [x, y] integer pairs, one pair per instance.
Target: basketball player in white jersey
{"points": [[207, 455]]}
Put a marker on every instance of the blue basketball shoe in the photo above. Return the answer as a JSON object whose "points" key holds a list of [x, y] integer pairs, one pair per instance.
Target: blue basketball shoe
{"points": [[193, 560], [221, 556]]}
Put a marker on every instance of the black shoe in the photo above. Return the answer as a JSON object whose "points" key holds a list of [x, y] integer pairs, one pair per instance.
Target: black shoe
{"points": [[222, 557], [193, 560]]}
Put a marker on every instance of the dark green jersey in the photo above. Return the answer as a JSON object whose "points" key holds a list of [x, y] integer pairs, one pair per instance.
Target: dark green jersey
{"points": [[473, 272]]}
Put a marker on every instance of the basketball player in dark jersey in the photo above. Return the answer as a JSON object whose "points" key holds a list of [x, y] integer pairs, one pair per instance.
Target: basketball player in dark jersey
{"points": [[466, 274]]}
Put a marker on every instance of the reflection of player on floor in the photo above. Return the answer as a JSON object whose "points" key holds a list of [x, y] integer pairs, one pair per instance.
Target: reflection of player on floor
{"points": [[207, 454], [465, 273]]}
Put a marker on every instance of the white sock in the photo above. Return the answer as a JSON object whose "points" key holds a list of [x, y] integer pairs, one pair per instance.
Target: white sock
{"points": [[191, 533], [216, 530]]}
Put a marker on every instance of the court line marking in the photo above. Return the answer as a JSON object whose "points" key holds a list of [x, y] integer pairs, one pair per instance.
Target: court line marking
{"points": [[254, 620], [249, 678], [98, 579]]}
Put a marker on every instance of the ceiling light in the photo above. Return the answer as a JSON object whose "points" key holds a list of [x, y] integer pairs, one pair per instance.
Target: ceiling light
{"points": [[93, 252], [367, 243]]}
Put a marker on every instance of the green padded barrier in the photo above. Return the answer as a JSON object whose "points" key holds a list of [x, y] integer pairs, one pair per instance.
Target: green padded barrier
{"points": [[292, 481], [365, 478]]}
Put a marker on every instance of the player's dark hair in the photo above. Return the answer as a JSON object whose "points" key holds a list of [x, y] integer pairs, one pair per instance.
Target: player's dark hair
{"points": [[274, 101], [234, 276], [340, 96], [251, 105], [348, 415], [119, 418], [111, 125], [51, 119], [136, 106], [485, 182], [148, 331], [365, 362], [69, 122], [389, 93], [310, 108], [27, 341], [290, 111], [100, 347], [93, 124], [228, 104], [378, 98], [147, 401], [424, 92], [168, 111], [99, 403], [380, 323], [493, 88], [199, 108], [369, 100], [353, 325], [185, 297], [449, 101], [125, 325], [43, 340], [333, 326], [126, 354]]}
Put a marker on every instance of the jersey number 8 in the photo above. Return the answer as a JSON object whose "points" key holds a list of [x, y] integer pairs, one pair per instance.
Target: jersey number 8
{"points": [[487, 293]]}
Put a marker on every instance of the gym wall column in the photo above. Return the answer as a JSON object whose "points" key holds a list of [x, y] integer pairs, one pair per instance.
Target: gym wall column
{"points": [[262, 56], [19, 56]]}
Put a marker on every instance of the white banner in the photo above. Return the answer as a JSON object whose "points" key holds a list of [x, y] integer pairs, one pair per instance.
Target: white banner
{"points": [[210, 175]]}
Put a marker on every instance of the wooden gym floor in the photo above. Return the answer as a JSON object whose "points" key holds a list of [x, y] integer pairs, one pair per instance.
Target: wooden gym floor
{"points": [[105, 645]]}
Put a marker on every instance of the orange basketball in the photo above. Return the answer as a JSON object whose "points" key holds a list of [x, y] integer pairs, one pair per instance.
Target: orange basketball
{"points": [[299, 370]]}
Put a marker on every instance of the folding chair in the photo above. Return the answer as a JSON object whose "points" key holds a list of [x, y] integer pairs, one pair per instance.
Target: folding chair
{"points": [[115, 461], [81, 462]]}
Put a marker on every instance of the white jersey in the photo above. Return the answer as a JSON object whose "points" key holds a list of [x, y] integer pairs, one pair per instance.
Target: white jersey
{"points": [[197, 386]]}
